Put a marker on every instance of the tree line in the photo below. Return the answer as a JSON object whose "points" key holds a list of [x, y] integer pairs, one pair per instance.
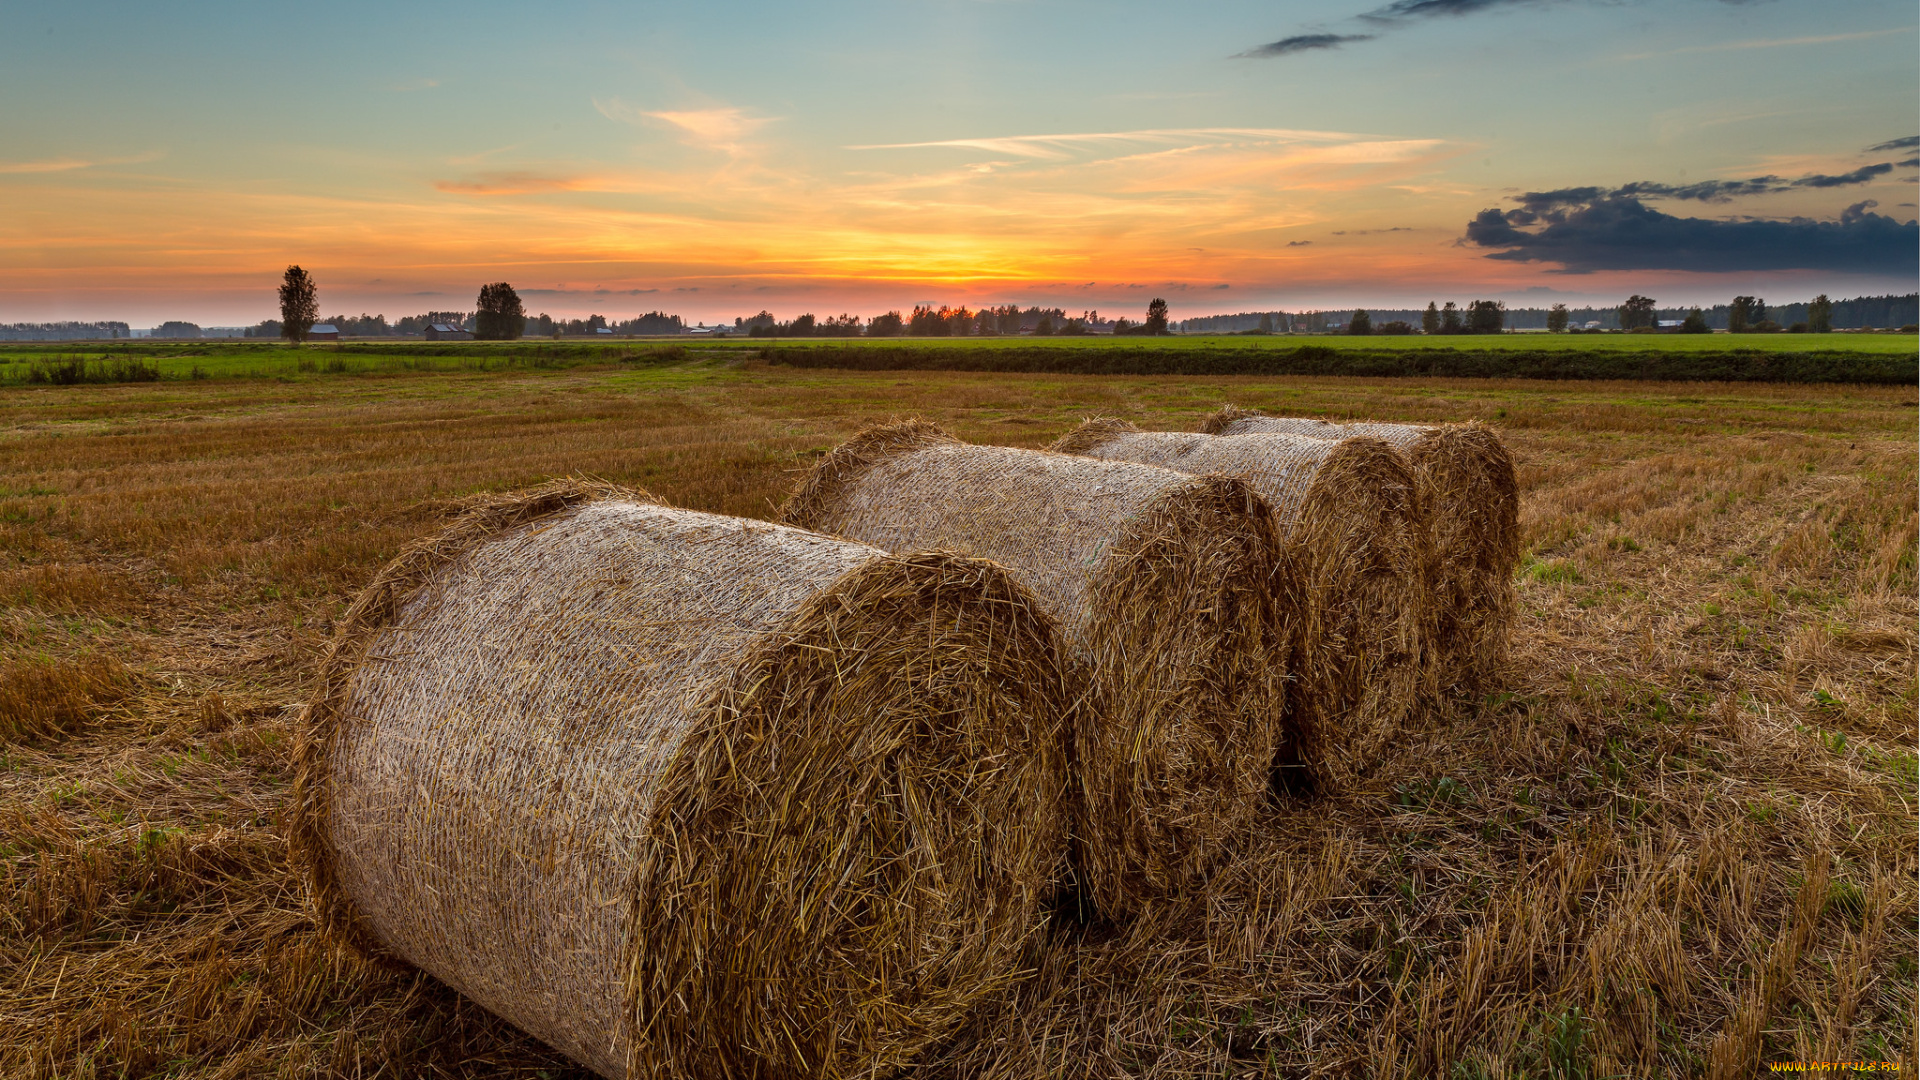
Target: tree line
{"points": [[498, 315], [945, 321]]}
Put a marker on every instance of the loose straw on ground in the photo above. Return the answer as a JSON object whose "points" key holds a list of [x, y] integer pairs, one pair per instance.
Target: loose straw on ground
{"points": [[684, 795], [1473, 506], [1350, 513], [1162, 584]]}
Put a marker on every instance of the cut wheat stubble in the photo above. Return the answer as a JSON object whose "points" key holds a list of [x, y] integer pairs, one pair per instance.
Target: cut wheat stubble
{"points": [[684, 795]]}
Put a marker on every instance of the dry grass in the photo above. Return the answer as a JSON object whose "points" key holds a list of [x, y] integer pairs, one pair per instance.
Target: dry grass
{"points": [[1678, 838]]}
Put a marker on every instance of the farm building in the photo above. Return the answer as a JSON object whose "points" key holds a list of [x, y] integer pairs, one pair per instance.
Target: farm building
{"points": [[447, 332], [324, 332]]}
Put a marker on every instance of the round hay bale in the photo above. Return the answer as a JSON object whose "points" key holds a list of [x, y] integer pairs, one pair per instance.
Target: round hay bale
{"points": [[1164, 587], [685, 795], [1351, 514], [1473, 506]]}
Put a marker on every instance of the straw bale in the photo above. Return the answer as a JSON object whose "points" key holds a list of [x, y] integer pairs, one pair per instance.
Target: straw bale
{"points": [[1473, 506], [1163, 585], [1350, 513], [689, 796]]}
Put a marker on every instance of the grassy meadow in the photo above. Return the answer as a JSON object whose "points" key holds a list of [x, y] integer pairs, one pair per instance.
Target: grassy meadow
{"points": [[1889, 359], [1677, 840]]}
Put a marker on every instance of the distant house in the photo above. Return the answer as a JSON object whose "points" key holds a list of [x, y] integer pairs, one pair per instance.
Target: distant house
{"points": [[447, 332], [1670, 324], [603, 330], [323, 332]]}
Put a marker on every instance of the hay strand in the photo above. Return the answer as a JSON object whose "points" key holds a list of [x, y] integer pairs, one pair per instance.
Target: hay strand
{"points": [[684, 795], [1163, 585], [1473, 504], [1350, 513]]}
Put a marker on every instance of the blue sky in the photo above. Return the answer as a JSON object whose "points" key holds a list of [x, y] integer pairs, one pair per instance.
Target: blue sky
{"points": [[715, 159]]}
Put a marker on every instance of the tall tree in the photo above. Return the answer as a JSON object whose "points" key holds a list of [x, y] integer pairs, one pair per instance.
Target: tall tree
{"points": [[1450, 319], [1430, 320], [1156, 317], [500, 316], [1557, 319], [299, 304], [888, 325], [1740, 314], [1486, 317], [1820, 315], [1361, 323], [1636, 312], [1266, 323]]}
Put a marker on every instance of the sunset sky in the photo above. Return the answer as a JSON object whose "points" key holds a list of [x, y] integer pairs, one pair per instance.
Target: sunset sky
{"points": [[710, 160]]}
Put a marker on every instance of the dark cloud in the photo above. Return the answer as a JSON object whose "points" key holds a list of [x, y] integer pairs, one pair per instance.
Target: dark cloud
{"points": [[1717, 191], [1862, 175], [1544, 203], [1298, 243], [1910, 163], [1303, 43], [1911, 142], [1401, 10], [1617, 232]]}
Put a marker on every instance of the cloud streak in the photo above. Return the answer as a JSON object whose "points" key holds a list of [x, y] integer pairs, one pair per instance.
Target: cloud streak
{"points": [[1765, 43], [58, 165], [1406, 10], [725, 127], [1910, 142], [1300, 43], [1709, 191], [510, 183], [1064, 146]]}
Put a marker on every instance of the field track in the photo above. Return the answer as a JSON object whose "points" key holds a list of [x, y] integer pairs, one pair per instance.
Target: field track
{"points": [[1678, 840]]}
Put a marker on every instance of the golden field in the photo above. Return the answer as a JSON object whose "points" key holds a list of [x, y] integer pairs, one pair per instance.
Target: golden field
{"points": [[1679, 840]]}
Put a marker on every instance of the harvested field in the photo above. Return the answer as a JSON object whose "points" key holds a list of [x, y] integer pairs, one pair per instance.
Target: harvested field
{"points": [[1349, 512], [566, 750], [1180, 610], [1472, 510], [1675, 838]]}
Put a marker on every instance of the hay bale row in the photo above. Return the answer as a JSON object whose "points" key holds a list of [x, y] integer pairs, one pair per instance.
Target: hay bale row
{"points": [[684, 795], [1178, 605], [1472, 503], [687, 796], [1350, 515]]}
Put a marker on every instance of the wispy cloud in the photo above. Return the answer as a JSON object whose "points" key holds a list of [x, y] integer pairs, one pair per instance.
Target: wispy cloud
{"points": [[1300, 43], [55, 165], [511, 183], [1766, 43], [1402, 10], [1910, 142], [1064, 146], [721, 128]]}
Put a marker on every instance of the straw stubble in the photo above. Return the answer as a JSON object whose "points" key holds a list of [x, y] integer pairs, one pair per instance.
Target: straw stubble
{"points": [[684, 795], [1164, 587]]}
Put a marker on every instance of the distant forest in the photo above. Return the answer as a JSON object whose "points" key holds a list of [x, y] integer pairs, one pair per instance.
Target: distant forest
{"points": [[1884, 312], [63, 331], [542, 325], [1875, 311]]}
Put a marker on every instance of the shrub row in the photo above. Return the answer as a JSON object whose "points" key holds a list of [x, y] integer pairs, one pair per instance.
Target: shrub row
{"points": [[1733, 365]]}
